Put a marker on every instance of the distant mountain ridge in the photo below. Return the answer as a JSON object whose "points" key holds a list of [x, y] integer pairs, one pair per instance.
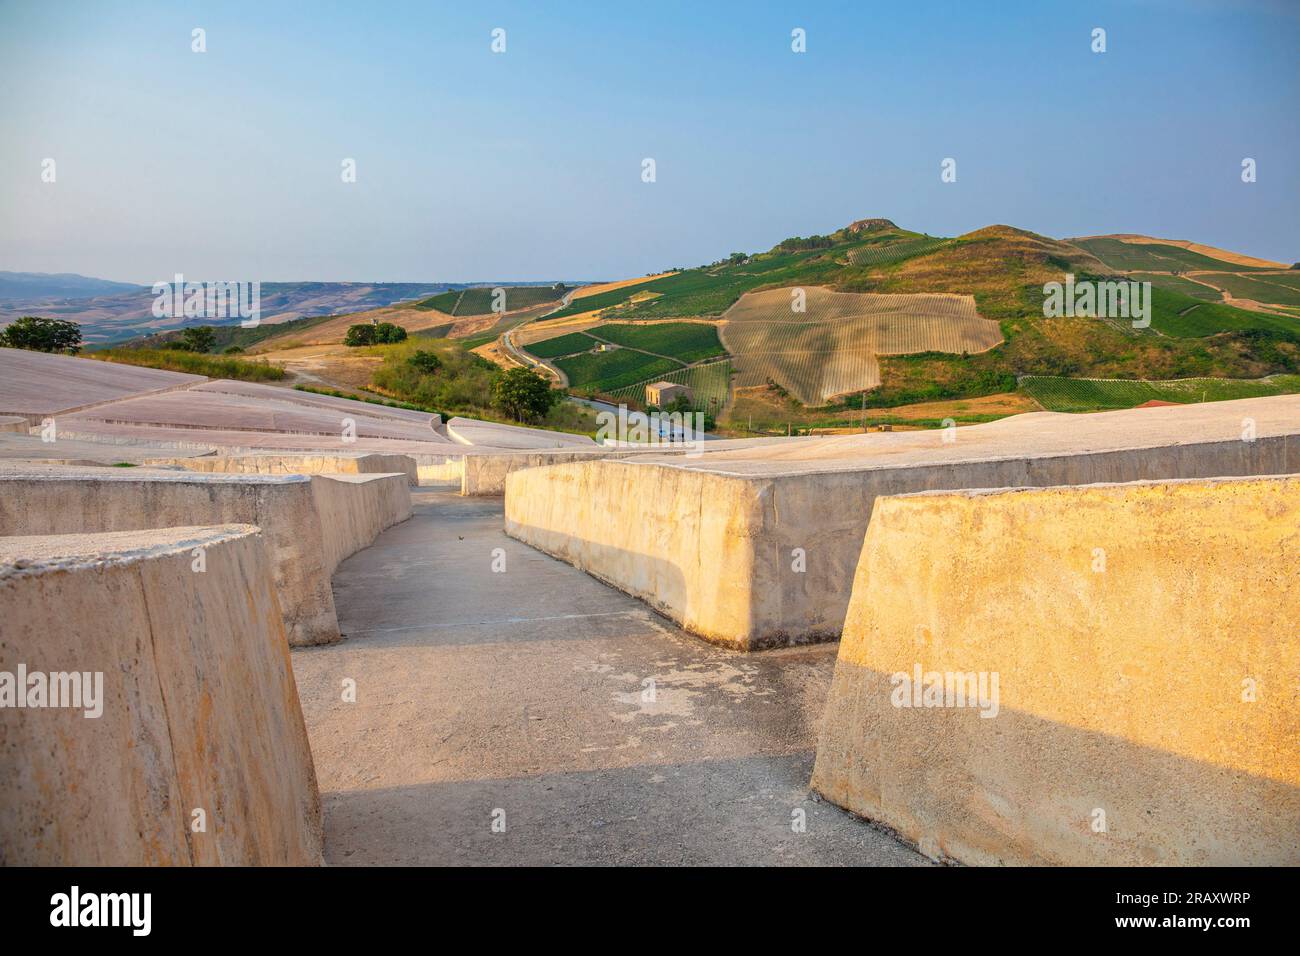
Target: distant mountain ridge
{"points": [[66, 285], [126, 311]]}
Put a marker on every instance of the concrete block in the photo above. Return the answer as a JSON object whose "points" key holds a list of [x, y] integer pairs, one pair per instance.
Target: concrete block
{"points": [[310, 523], [290, 464], [715, 542], [199, 709], [1142, 641]]}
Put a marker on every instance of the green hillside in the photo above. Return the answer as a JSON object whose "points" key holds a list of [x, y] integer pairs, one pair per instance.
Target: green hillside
{"points": [[1091, 395], [711, 290], [1154, 257], [478, 300]]}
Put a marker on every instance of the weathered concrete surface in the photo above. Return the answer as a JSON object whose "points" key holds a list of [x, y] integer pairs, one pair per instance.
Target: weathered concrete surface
{"points": [[277, 393], [36, 384], [716, 542], [485, 473], [289, 464], [471, 431], [198, 411], [309, 522], [72, 451], [234, 442], [199, 705], [524, 691], [1146, 639]]}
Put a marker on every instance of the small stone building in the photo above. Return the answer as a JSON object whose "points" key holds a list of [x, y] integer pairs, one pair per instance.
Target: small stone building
{"points": [[662, 394]]}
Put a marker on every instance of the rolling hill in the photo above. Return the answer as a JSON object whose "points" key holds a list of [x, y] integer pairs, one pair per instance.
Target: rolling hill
{"points": [[1199, 328]]}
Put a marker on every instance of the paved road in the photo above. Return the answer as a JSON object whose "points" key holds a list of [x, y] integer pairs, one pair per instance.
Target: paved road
{"points": [[523, 691]]}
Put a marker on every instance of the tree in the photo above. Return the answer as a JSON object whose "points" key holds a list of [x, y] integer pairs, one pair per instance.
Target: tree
{"points": [[199, 338], [425, 362], [361, 334], [386, 333], [42, 335], [524, 395]]}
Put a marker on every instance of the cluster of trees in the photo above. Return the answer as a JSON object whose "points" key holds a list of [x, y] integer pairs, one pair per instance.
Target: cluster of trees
{"points": [[450, 378], [42, 335], [385, 333], [799, 243]]}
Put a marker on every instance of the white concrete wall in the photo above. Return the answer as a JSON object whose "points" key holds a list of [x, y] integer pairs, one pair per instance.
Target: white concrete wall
{"points": [[309, 522], [714, 547]]}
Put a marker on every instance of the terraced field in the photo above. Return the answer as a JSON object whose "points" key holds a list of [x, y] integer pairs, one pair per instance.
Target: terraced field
{"points": [[1270, 288], [711, 383], [605, 371], [561, 345], [1171, 283], [1154, 257], [1182, 316], [478, 301], [879, 255], [711, 290], [1092, 394], [831, 348], [684, 341]]}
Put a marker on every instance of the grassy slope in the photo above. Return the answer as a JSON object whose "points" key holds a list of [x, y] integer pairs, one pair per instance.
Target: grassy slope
{"points": [[1090, 395], [711, 290], [1154, 257], [478, 301], [1273, 289], [198, 363]]}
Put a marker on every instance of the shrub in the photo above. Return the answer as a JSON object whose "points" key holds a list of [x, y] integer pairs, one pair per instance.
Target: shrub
{"points": [[388, 333], [361, 334], [425, 362]]}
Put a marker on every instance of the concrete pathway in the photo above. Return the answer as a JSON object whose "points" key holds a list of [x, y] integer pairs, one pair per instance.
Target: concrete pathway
{"points": [[527, 692]]}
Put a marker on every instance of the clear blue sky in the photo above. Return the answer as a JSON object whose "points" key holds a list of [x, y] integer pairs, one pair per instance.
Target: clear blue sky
{"points": [[526, 165]]}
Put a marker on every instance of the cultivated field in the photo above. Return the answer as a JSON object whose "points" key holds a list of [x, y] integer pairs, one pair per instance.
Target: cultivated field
{"points": [[605, 371], [567, 344], [602, 287], [710, 383], [831, 348], [1154, 256], [1172, 283], [885, 253], [1270, 288], [1212, 252], [684, 341], [1182, 316], [478, 301], [1094, 394]]}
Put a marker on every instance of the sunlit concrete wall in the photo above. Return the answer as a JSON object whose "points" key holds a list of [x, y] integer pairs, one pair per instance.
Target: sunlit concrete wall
{"points": [[198, 709], [1142, 642]]}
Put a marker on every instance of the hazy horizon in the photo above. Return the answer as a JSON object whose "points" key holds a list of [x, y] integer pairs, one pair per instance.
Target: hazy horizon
{"points": [[475, 166]]}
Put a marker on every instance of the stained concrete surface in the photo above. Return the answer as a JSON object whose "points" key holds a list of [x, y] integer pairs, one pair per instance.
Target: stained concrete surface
{"points": [[523, 691]]}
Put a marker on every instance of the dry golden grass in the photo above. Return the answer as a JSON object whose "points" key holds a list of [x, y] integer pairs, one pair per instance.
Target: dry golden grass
{"points": [[600, 287], [831, 348], [334, 365], [332, 332], [765, 408]]}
